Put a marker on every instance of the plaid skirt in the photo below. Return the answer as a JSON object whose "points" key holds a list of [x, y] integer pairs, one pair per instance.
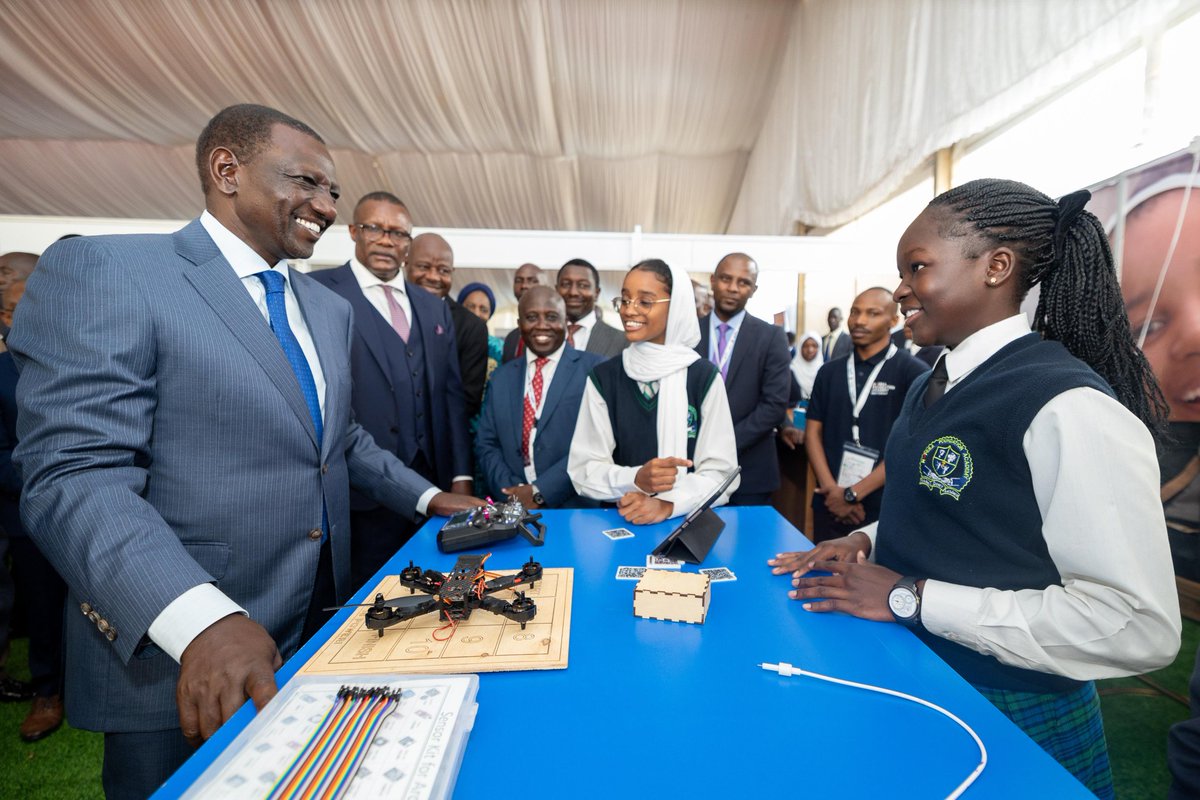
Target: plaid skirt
{"points": [[1066, 725]]}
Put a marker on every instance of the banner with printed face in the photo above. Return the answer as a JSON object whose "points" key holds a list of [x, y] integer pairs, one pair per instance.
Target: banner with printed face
{"points": [[1152, 215]]}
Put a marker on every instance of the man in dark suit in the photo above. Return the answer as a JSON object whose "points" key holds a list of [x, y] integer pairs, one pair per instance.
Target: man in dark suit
{"points": [[579, 284], [752, 357], [431, 266], [187, 448], [531, 407], [39, 588], [528, 276], [403, 358], [836, 343]]}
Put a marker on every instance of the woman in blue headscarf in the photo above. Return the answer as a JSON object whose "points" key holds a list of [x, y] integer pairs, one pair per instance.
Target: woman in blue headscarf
{"points": [[480, 300]]}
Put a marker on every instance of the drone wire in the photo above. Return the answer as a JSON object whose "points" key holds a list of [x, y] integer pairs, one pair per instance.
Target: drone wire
{"points": [[326, 765], [787, 670]]}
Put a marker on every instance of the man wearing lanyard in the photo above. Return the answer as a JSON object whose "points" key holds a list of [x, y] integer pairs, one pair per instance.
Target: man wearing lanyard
{"points": [[752, 357], [855, 400]]}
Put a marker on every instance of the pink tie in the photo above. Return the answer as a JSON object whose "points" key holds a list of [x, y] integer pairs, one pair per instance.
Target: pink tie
{"points": [[399, 319]]}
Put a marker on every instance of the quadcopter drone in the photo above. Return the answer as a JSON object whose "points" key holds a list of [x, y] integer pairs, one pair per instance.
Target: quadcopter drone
{"points": [[456, 595]]}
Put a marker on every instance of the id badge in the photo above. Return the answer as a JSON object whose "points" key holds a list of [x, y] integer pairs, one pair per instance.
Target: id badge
{"points": [[857, 463]]}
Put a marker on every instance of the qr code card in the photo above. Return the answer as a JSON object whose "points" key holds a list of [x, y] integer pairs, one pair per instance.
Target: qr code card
{"points": [[618, 533], [718, 574], [662, 562], [630, 573]]}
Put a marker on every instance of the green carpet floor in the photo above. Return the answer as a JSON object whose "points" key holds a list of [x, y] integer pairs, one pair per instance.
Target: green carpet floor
{"points": [[66, 765]]}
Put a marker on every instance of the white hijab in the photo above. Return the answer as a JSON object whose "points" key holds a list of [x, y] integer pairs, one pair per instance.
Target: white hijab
{"points": [[806, 371], [667, 363]]}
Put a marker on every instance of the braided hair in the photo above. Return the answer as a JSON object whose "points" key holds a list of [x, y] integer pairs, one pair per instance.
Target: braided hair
{"points": [[1062, 247], [659, 268]]}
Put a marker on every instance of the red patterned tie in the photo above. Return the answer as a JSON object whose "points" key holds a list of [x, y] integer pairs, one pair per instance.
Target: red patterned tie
{"points": [[531, 405], [572, 329]]}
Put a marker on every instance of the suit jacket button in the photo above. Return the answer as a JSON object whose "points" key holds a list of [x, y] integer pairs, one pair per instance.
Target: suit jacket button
{"points": [[324, 469], [315, 534], [103, 626], [111, 634], [93, 616], [86, 608]]}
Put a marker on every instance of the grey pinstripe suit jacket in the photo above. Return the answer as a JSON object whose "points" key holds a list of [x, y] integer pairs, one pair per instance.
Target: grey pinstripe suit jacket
{"points": [[165, 443]]}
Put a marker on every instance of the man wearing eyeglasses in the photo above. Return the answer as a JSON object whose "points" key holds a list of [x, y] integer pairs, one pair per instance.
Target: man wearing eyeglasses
{"points": [[579, 285], [752, 356], [408, 393]]}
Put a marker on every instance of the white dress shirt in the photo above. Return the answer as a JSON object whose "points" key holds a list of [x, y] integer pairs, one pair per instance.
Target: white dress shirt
{"points": [[372, 289], [592, 471], [1096, 480], [579, 339], [547, 375]]}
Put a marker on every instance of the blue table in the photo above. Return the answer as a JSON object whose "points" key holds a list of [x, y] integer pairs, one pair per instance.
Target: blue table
{"points": [[651, 708]]}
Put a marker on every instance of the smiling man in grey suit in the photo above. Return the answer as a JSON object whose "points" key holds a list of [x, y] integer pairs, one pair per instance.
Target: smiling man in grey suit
{"points": [[188, 448]]}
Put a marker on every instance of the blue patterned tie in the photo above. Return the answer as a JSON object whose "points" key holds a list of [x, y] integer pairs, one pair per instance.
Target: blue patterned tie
{"points": [[277, 310]]}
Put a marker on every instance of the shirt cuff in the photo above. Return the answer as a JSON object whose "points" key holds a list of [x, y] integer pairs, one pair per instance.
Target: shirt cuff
{"points": [[623, 480], [458, 478], [424, 500], [870, 531], [948, 609], [188, 615]]}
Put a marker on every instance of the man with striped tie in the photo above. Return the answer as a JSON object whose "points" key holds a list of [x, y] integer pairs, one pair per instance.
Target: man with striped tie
{"points": [[531, 406]]}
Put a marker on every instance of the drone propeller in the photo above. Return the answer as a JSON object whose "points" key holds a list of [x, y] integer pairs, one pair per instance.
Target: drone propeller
{"points": [[404, 601]]}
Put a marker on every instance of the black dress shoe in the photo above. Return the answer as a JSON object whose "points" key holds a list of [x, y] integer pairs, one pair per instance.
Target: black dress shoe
{"points": [[14, 691]]}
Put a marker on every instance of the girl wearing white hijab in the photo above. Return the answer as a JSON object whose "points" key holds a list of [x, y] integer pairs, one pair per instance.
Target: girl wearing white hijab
{"points": [[654, 432], [805, 367]]}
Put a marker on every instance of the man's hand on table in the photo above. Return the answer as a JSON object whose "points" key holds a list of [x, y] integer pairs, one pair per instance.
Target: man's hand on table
{"points": [[446, 504], [232, 659]]}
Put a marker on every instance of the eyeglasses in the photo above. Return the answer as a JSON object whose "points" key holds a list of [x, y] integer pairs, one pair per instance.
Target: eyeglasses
{"points": [[373, 233], [645, 306]]}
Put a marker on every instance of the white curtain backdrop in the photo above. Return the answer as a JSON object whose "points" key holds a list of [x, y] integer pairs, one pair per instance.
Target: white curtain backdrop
{"points": [[690, 116]]}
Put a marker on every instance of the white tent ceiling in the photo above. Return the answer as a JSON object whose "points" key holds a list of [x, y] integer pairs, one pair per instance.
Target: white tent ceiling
{"points": [[691, 116]]}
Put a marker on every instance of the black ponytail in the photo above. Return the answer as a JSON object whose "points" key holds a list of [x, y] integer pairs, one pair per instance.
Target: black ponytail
{"points": [[1064, 248]]}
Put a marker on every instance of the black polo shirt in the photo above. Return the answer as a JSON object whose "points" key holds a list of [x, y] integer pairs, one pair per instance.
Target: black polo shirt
{"points": [[832, 406]]}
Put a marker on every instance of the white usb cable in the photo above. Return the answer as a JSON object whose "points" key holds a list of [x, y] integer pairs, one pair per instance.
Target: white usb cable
{"points": [[787, 670]]}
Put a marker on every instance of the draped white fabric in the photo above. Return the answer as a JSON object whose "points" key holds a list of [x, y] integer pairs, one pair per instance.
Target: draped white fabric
{"points": [[696, 116]]}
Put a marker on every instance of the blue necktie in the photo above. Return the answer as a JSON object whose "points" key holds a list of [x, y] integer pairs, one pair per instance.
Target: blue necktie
{"points": [[277, 310]]}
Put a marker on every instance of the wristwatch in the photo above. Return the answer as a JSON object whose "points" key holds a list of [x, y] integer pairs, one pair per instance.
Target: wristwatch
{"points": [[538, 497], [904, 600], [850, 495]]}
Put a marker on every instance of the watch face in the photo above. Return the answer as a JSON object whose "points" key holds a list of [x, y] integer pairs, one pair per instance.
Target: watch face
{"points": [[903, 602]]}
